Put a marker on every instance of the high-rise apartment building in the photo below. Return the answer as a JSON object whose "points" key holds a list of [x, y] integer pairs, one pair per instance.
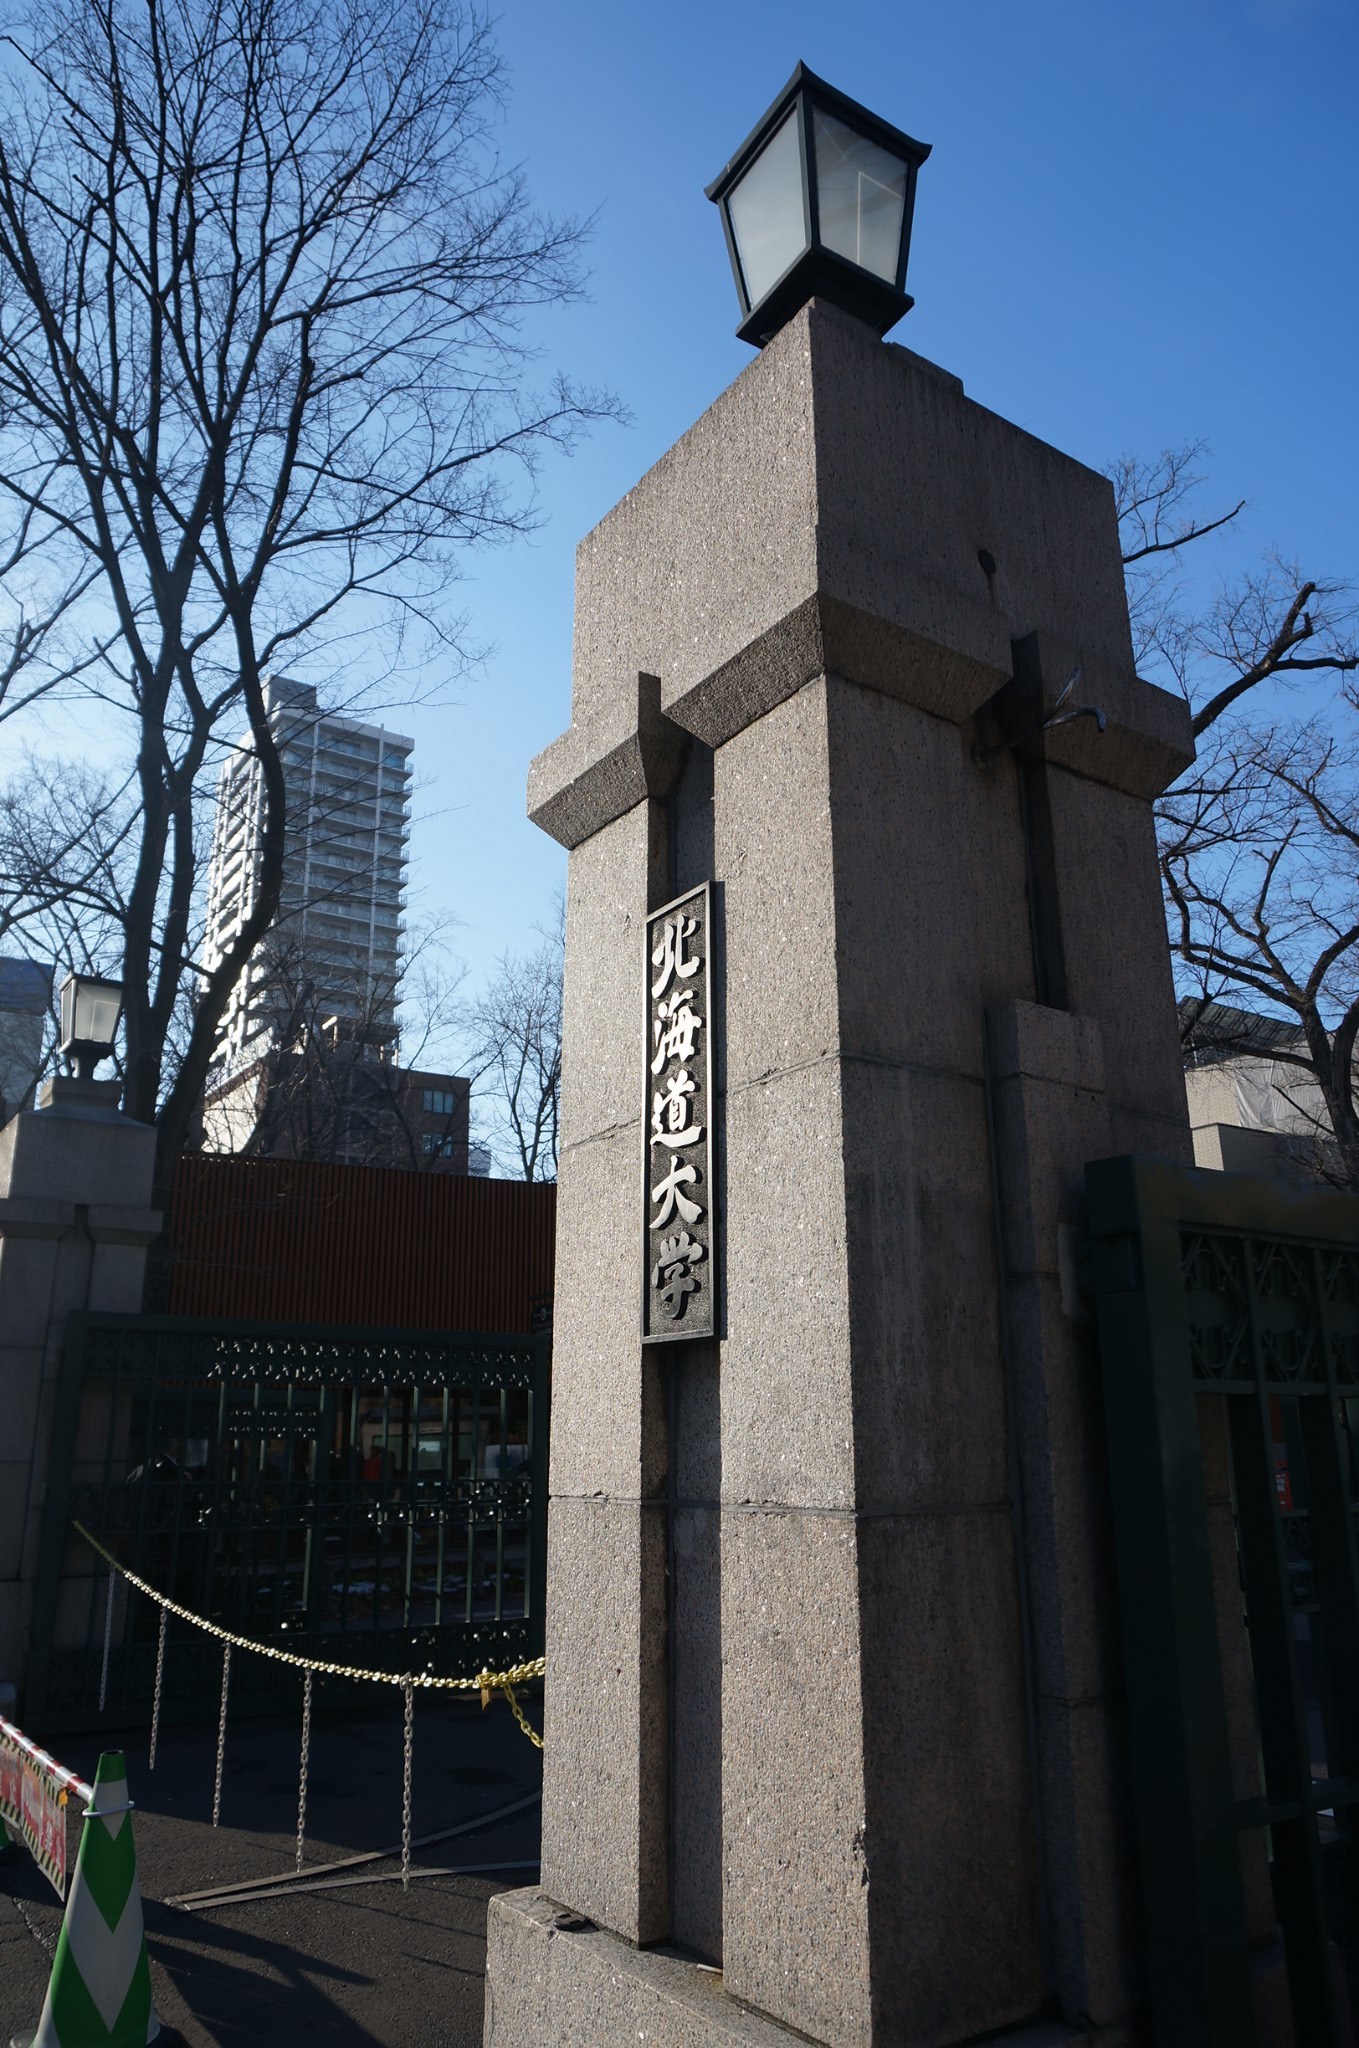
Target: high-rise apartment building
{"points": [[335, 950]]}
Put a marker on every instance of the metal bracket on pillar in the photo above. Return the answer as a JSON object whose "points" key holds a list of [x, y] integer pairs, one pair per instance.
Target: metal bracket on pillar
{"points": [[1018, 720], [1043, 723]]}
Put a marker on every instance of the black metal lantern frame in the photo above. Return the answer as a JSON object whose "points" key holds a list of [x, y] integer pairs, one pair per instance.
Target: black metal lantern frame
{"points": [[817, 270], [91, 1009]]}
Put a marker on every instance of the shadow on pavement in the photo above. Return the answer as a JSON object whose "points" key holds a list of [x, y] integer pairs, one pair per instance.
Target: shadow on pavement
{"points": [[238, 1985], [342, 1968]]}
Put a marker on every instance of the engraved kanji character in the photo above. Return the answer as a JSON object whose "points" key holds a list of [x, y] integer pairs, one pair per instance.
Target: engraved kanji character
{"points": [[667, 1193], [669, 954], [672, 1276], [670, 1123], [673, 1028]]}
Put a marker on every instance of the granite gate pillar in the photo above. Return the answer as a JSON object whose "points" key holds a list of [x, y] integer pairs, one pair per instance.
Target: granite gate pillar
{"points": [[75, 1224], [832, 1721]]}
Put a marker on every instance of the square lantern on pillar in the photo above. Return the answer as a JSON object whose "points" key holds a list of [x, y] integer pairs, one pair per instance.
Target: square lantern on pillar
{"points": [[90, 1011], [817, 202]]}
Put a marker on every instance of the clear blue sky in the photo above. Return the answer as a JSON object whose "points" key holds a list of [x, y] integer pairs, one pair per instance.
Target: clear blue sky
{"points": [[1137, 228]]}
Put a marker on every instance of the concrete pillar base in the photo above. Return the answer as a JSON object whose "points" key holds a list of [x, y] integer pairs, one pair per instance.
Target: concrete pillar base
{"points": [[559, 1987]]}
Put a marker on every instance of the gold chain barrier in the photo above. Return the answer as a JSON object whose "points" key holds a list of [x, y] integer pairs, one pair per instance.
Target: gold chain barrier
{"points": [[485, 1682]]}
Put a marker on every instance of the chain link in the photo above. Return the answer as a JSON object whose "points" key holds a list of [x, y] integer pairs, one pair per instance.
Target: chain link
{"points": [[155, 1697], [532, 1733], [302, 1768], [407, 1745], [221, 1734], [108, 1639], [486, 1682]]}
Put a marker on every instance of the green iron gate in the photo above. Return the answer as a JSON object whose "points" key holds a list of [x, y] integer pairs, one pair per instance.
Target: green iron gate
{"points": [[1212, 1288], [371, 1497]]}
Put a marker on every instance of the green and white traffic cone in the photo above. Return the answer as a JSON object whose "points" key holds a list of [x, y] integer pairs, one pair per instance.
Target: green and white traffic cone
{"points": [[100, 1992]]}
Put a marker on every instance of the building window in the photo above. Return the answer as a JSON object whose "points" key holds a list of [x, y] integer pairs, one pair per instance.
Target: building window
{"points": [[439, 1101], [435, 1145]]}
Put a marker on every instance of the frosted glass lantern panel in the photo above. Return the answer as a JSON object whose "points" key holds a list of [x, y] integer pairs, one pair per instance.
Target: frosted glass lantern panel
{"points": [[861, 193], [767, 218], [99, 1022], [89, 1010]]}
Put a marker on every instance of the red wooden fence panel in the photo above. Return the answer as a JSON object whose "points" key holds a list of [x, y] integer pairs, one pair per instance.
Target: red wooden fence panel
{"points": [[292, 1241]]}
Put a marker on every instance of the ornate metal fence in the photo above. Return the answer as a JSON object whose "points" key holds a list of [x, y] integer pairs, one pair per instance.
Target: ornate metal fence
{"points": [[376, 1497], [1215, 1288]]}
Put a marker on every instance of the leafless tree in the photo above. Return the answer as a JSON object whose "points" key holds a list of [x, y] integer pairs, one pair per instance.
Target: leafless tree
{"points": [[1259, 840], [261, 373], [338, 1087], [65, 833], [514, 1039]]}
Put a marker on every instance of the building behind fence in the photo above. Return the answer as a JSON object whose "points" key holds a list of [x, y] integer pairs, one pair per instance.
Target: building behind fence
{"points": [[331, 1432], [361, 1496]]}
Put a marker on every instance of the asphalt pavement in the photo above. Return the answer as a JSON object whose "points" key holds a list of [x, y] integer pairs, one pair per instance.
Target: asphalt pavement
{"points": [[340, 1967]]}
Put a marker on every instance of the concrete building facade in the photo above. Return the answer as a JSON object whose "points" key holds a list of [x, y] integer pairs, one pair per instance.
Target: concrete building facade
{"points": [[342, 1104], [1253, 1106], [336, 949], [25, 999]]}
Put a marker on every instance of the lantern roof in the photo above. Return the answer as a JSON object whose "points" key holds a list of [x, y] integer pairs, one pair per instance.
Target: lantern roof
{"points": [[835, 102]]}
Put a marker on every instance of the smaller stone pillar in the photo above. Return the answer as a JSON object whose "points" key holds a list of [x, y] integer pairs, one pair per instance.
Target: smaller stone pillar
{"points": [[75, 1222]]}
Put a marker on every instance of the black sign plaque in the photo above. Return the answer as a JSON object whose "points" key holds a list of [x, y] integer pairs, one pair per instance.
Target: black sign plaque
{"points": [[679, 1242]]}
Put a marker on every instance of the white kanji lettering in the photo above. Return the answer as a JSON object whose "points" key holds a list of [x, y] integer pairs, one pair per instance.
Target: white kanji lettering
{"points": [[672, 1275], [669, 954], [670, 1112], [673, 1028], [672, 1202]]}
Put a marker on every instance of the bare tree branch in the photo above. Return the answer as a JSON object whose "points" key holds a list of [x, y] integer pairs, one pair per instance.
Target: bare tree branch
{"points": [[262, 375], [1259, 840], [332, 1088], [1150, 498], [514, 1036]]}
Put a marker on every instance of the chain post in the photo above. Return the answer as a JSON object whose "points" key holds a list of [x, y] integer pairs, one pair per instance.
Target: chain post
{"points": [[302, 1768], [221, 1733], [155, 1697], [406, 1748], [108, 1641]]}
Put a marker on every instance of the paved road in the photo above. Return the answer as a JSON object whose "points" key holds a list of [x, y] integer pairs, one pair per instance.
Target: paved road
{"points": [[336, 1969]]}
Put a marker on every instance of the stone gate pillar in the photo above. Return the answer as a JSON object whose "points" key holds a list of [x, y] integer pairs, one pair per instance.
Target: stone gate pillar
{"points": [[833, 1741], [75, 1223]]}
